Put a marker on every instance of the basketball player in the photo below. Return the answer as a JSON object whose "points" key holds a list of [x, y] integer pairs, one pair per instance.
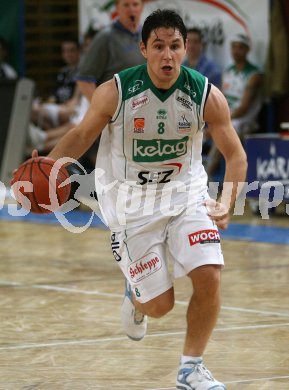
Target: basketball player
{"points": [[151, 157]]}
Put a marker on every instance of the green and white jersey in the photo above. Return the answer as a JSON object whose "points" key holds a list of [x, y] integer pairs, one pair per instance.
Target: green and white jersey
{"points": [[234, 85], [151, 150]]}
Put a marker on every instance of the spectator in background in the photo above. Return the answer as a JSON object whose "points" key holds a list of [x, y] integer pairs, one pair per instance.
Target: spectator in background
{"points": [[86, 40], [61, 104], [44, 139], [6, 70], [196, 58], [241, 86], [113, 49], [65, 79]]}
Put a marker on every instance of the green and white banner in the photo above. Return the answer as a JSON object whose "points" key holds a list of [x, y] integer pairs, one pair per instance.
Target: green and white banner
{"points": [[218, 19]]}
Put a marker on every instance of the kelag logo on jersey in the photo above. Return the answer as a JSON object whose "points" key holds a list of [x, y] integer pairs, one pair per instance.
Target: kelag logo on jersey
{"points": [[158, 149]]}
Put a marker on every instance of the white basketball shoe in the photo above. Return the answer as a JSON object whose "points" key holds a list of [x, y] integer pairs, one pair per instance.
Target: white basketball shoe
{"points": [[133, 321], [194, 375]]}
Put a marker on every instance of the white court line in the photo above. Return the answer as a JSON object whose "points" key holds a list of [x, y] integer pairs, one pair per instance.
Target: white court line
{"points": [[245, 310], [73, 290], [95, 292], [255, 311], [270, 378], [119, 338]]}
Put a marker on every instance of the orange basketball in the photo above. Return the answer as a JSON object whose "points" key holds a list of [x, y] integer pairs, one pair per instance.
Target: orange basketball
{"points": [[37, 185]]}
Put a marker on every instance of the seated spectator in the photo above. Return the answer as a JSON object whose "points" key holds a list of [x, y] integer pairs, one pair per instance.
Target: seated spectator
{"points": [[241, 86], [197, 59], [44, 138], [6, 70], [65, 79], [61, 104]]}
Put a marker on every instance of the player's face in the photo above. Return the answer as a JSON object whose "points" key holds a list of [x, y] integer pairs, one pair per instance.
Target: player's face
{"points": [[164, 52], [129, 13]]}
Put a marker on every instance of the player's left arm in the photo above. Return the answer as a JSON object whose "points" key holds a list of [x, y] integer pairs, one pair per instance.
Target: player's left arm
{"points": [[217, 115], [250, 93]]}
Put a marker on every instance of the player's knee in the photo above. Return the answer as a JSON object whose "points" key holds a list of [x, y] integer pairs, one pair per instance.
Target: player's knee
{"points": [[161, 309], [210, 289], [161, 305], [213, 283], [206, 282]]}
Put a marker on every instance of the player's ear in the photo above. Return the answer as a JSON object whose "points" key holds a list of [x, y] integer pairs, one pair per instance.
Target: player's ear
{"points": [[143, 49]]}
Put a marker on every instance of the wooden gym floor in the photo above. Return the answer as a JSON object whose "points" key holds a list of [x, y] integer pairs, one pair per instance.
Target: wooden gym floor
{"points": [[60, 323]]}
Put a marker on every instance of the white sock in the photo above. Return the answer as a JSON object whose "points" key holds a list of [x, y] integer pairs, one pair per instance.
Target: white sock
{"points": [[185, 359]]}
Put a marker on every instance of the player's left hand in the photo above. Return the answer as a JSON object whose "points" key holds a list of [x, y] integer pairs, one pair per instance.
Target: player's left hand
{"points": [[218, 213]]}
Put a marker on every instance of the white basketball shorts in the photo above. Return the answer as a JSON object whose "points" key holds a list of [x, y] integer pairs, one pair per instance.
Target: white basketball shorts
{"points": [[152, 255]]}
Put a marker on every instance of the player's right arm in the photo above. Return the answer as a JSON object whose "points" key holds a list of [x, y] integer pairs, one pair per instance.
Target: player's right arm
{"points": [[78, 140]]}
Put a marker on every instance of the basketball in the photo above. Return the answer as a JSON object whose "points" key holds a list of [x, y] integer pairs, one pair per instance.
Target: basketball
{"points": [[38, 185]]}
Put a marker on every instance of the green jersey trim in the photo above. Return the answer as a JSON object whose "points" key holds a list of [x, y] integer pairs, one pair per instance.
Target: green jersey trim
{"points": [[133, 81], [163, 96], [136, 80]]}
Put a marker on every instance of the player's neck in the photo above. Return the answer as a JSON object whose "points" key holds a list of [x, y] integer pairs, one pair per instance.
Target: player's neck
{"points": [[161, 84]]}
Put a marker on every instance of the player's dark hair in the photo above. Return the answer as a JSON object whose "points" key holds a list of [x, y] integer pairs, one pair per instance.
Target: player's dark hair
{"points": [[166, 18]]}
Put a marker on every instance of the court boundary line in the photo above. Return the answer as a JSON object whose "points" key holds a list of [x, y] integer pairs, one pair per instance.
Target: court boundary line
{"points": [[48, 287], [122, 338]]}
